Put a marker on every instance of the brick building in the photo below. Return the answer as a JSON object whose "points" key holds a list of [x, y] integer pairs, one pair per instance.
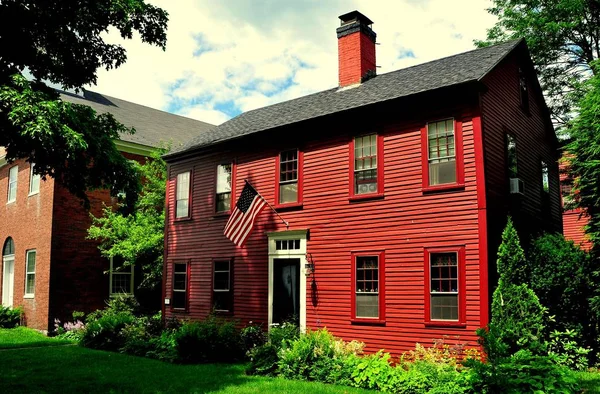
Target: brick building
{"points": [[48, 266]]}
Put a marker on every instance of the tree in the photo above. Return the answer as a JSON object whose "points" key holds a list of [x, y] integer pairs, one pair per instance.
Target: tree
{"points": [[62, 42], [563, 37], [138, 238], [583, 153]]}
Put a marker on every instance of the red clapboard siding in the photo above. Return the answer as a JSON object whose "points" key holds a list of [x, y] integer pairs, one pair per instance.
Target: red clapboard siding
{"points": [[402, 223], [501, 114]]}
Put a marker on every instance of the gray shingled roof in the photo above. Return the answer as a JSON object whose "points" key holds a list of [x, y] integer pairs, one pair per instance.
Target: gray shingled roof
{"points": [[445, 72], [152, 126]]}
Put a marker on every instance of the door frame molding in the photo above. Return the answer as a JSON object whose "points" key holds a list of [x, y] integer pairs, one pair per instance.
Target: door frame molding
{"points": [[6, 289], [289, 254]]}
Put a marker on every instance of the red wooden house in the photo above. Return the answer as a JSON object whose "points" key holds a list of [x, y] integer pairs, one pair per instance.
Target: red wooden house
{"points": [[396, 188], [49, 268]]}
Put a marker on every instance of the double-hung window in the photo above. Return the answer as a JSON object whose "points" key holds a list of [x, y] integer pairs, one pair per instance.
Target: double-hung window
{"points": [[368, 302], [30, 274], [545, 178], [34, 181], [366, 166], [289, 167], [180, 286], [511, 156], [442, 153], [222, 291], [445, 286], [182, 195], [121, 277], [223, 194], [13, 174]]}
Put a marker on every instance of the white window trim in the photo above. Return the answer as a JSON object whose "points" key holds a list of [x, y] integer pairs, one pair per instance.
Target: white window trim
{"points": [[9, 200], [178, 184], [110, 281], [27, 273], [33, 176]]}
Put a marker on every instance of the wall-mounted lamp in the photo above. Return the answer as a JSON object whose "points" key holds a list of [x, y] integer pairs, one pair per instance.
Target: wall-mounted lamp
{"points": [[309, 267]]}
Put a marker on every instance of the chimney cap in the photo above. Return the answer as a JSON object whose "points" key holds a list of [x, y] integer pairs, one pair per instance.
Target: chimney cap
{"points": [[355, 16]]}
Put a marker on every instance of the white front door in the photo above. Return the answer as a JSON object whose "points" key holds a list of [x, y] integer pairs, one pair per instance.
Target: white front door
{"points": [[287, 279], [8, 281]]}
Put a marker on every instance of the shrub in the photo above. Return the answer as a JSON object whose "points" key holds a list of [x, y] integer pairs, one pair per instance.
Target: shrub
{"points": [[163, 346], [253, 336], [105, 332], [287, 332], [10, 317], [522, 372], [564, 280], [373, 372], [563, 346], [208, 341], [316, 355], [263, 360]]}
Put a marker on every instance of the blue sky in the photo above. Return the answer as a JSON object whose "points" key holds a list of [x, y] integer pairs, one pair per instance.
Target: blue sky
{"points": [[229, 56]]}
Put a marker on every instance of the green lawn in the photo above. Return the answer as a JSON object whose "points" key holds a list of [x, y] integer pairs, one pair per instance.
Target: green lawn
{"points": [[76, 369], [24, 337]]}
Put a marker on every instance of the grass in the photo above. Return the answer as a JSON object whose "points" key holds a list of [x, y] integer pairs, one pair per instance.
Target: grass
{"points": [[77, 369], [20, 337], [590, 382]]}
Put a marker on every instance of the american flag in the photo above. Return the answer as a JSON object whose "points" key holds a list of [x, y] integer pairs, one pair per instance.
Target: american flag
{"points": [[242, 217]]}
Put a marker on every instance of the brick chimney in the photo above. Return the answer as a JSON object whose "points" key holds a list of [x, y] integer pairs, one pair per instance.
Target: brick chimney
{"points": [[356, 48]]}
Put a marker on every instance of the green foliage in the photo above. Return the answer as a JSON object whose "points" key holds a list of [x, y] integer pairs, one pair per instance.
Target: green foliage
{"points": [[511, 263], [253, 336], [138, 238], [565, 350], [373, 371], [519, 318], [280, 335], [563, 277], [584, 158], [562, 39], [316, 355], [210, 340], [10, 317], [263, 360], [105, 332], [522, 372], [64, 43]]}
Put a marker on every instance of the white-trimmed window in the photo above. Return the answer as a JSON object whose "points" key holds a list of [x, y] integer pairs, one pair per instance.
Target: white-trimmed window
{"points": [[182, 191], [222, 291], [34, 181], [121, 277], [30, 274], [441, 152], [545, 178], [223, 195], [13, 174]]}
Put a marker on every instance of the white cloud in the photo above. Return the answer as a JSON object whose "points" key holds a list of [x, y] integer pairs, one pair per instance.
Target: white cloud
{"points": [[251, 54]]}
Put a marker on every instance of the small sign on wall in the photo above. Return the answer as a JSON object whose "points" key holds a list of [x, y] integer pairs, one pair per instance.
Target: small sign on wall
{"points": [[167, 301]]}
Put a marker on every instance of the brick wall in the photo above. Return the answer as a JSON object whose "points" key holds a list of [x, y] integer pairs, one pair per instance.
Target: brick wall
{"points": [[28, 221], [356, 55]]}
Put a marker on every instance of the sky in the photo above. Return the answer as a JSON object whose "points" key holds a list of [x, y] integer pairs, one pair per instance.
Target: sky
{"points": [[224, 57]]}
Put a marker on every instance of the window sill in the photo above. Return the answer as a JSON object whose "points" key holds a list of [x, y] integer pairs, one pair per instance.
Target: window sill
{"points": [[11, 202], [368, 322], [184, 219], [116, 295], [444, 188], [33, 194], [29, 296], [179, 310], [445, 324], [289, 207], [366, 197]]}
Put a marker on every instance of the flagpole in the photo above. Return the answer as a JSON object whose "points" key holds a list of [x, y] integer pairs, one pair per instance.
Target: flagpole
{"points": [[270, 206]]}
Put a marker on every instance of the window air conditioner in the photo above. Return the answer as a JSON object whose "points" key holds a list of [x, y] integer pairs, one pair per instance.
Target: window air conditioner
{"points": [[516, 186]]}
